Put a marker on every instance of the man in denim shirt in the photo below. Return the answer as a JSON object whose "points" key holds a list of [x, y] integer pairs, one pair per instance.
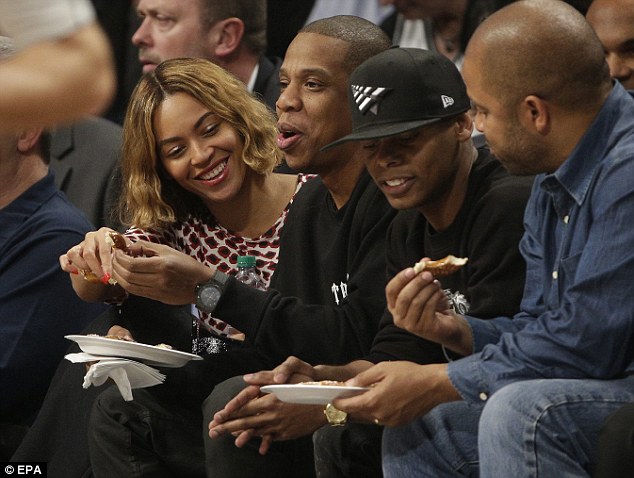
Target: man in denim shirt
{"points": [[531, 393]]}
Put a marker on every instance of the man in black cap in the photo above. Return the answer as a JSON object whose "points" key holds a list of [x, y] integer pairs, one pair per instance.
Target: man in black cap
{"points": [[415, 131]]}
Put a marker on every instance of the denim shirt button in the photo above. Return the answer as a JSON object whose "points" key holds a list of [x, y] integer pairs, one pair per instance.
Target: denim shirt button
{"points": [[555, 275], [566, 219], [483, 396]]}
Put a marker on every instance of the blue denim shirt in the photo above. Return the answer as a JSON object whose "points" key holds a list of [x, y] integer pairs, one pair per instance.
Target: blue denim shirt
{"points": [[577, 313]]}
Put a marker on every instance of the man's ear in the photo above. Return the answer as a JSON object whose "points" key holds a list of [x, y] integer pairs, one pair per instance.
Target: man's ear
{"points": [[229, 36], [464, 126], [535, 114], [28, 139]]}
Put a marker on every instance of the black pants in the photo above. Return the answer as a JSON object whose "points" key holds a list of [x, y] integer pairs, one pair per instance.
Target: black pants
{"points": [[285, 459], [59, 435], [160, 432], [352, 451], [144, 437], [615, 457]]}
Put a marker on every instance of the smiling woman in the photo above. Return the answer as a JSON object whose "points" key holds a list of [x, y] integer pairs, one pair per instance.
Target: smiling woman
{"points": [[185, 151], [199, 191]]}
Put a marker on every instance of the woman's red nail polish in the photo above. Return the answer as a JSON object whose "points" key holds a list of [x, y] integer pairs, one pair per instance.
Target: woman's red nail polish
{"points": [[106, 278], [74, 271]]}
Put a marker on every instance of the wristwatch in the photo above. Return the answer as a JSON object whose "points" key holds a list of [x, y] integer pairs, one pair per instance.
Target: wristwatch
{"points": [[208, 293], [335, 416]]}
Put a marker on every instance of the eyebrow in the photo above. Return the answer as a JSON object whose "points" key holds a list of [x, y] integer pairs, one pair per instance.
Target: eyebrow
{"points": [[173, 139], [309, 71]]}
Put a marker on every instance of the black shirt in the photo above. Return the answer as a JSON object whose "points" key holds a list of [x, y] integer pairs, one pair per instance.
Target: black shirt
{"points": [[327, 294], [487, 231]]}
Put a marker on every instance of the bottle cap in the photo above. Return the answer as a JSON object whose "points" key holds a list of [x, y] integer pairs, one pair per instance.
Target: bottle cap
{"points": [[246, 261]]}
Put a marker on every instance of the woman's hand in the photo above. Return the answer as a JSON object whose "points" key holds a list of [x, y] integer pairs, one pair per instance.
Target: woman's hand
{"points": [[93, 256], [159, 272], [90, 266]]}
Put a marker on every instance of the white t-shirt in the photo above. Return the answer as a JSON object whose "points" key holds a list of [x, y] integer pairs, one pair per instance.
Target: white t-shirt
{"points": [[31, 21]]}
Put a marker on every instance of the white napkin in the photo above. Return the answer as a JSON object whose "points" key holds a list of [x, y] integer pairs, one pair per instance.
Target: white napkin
{"points": [[127, 374]]}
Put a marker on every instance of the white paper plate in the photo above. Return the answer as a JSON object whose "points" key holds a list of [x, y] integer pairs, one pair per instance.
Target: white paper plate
{"points": [[311, 394], [148, 354]]}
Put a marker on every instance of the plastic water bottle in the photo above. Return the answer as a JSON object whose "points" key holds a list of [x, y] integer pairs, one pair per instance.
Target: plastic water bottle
{"points": [[248, 273]]}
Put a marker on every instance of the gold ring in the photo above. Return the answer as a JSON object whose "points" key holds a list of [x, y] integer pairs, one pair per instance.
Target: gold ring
{"points": [[89, 276], [376, 422], [92, 277]]}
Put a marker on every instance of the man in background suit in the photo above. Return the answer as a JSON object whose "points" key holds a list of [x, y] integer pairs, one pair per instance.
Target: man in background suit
{"points": [[84, 157], [232, 34]]}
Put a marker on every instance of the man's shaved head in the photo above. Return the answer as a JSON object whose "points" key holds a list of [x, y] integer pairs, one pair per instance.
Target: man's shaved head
{"points": [[544, 48]]}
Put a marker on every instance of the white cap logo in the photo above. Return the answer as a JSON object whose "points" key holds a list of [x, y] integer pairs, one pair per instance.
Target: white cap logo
{"points": [[368, 98], [447, 101]]}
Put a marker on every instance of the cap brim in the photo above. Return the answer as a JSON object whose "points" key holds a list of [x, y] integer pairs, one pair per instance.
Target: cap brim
{"points": [[379, 131]]}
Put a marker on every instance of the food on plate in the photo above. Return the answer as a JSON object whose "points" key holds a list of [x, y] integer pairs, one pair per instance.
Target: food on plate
{"points": [[327, 383], [442, 267], [113, 337], [116, 337], [164, 346]]}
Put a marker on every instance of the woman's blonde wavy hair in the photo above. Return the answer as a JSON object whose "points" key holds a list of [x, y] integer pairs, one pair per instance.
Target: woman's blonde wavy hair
{"points": [[150, 198]]}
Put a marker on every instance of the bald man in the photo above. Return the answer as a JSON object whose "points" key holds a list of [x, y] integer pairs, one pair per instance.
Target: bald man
{"points": [[530, 393], [613, 22]]}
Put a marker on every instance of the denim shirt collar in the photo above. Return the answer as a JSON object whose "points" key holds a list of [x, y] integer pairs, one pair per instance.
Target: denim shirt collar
{"points": [[571, 181]]}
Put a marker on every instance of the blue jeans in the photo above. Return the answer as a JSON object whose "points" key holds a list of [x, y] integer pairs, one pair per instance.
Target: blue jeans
{"points": [[536, 428]]}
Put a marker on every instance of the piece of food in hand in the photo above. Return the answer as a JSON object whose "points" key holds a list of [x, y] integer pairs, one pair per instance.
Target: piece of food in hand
{"points": [[442, 267], [116, 240]]}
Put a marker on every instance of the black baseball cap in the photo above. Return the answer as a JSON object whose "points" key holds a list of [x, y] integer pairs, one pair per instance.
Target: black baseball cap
{"points": [[402, 89]]}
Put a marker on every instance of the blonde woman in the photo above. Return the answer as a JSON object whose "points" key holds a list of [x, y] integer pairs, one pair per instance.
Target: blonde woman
{"points": [[199, 190]]}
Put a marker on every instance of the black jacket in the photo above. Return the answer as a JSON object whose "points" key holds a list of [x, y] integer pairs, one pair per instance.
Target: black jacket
{"points": [[84, 158]]}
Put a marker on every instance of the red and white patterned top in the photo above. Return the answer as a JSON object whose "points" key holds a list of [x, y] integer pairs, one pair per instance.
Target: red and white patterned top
{"points": [[210, 243]]}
